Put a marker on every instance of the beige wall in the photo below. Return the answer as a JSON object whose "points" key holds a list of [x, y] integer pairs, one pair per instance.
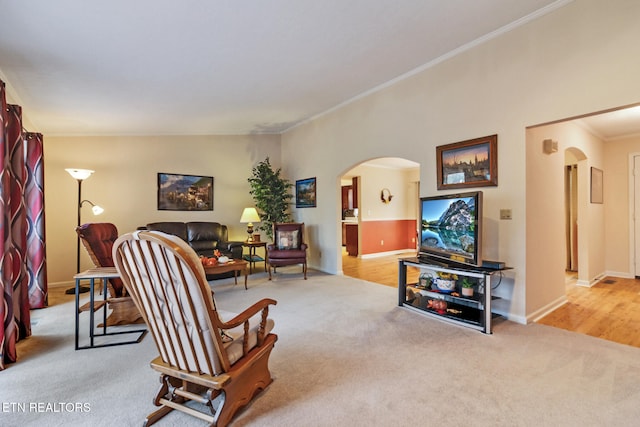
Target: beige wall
{"points": [[575, 60], [125, 184], [546, 213], [373, 179], [618, 218]]}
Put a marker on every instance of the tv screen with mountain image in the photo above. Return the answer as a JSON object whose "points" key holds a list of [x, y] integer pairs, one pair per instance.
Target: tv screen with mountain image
{"points": [[450, 229]]}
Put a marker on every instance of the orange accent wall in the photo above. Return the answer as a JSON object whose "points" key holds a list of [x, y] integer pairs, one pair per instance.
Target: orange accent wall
{"points": [[387, 235]]}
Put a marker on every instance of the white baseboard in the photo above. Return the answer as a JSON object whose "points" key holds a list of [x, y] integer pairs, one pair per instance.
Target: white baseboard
{"points": [[510, 317], [539, 314], [620, 274], [594, 281], [381, 254], [61, 284], [585, 283]]}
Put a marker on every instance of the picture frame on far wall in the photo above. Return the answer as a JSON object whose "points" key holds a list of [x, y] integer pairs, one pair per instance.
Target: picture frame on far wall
{"points": [[471, 163], [184, 192], [597, 193], [306, 193]]}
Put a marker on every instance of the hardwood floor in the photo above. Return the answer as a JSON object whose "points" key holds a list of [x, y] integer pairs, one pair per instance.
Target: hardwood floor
{"points": [[382, 270], [609, 310]]}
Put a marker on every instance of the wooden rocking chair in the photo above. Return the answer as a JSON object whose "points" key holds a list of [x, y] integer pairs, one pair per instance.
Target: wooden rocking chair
{"points": [[205, 358]]}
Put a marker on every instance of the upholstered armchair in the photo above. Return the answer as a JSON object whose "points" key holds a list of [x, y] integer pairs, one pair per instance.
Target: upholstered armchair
{"points": [[288, 247], [211, 362], [97, 239]]}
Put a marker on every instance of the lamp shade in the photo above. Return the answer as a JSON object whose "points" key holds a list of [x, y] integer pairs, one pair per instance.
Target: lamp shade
{"points": [[80, 173], [97, 210], [249, 215]]}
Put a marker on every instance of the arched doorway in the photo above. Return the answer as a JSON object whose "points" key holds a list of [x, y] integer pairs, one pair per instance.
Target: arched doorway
{"points": [[575, 184], [379, 213]]}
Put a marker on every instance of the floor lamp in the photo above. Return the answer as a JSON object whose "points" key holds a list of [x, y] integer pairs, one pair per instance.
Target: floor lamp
{"points": [[80, 175]]}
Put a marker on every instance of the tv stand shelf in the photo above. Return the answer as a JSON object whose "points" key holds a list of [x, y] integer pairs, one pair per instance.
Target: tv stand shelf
{"points": [[450, 306]]}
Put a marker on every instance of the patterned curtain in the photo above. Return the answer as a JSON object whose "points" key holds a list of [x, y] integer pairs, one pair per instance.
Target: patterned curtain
{"points": [[14, 299], [34, 197]]}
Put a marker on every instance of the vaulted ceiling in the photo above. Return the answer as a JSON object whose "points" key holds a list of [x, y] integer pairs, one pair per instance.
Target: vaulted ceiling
{"points": [[197, 67], [152, 67]]}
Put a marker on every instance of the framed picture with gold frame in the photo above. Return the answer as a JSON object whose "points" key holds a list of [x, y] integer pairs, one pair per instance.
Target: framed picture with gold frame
{"points": [[472, 163]]}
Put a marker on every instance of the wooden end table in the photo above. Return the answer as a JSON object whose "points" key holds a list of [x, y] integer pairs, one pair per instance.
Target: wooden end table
{"points": [[234, 265], [253, 258]]}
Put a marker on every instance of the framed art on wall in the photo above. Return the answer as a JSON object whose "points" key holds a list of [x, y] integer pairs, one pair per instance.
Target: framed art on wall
{"points": [[185, 192], [306, 193], [597, 193], [472, 163]]}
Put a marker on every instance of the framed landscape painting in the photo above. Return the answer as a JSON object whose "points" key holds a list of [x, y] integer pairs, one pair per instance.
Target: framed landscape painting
{"points": [[472, 163], [306, 193], [185, 192]]}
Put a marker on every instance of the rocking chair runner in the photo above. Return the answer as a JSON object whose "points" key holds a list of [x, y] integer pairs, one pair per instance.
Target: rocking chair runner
{"points": [[203, 358]]}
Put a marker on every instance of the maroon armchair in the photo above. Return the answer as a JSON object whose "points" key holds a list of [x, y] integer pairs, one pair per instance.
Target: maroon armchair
{"points": [[97, 239], [288, 247]]}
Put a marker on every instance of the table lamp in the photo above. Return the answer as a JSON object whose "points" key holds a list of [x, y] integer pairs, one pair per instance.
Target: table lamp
{"points": [[249, 216]]}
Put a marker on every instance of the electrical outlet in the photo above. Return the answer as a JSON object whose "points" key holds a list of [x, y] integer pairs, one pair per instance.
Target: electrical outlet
{"points": [[505, 214], [381, 242]]}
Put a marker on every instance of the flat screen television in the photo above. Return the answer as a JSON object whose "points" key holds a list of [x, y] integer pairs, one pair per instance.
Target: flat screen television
{"points": [[451, 229]]}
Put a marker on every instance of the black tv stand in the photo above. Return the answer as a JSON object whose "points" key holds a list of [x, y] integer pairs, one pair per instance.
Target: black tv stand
{"points": [[453, 307], [429, 261], [455, 265]]}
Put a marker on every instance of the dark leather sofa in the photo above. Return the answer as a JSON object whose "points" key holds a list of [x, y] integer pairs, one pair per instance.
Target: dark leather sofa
{"points": [[203, 237]]}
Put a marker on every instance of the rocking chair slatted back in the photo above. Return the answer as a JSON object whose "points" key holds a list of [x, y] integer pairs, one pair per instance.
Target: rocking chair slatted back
{"points": [[166, 279]]}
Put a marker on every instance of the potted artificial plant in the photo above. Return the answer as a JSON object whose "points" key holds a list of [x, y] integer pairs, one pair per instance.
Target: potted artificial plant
{"points": [[467, 287], [271, 194]]}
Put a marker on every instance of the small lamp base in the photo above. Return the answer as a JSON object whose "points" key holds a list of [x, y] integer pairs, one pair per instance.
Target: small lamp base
{"points": [[250, 232]]}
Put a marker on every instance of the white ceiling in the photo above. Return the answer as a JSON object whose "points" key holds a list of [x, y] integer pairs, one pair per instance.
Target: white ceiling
{"points": [[615, 124], [152, 67], [198, 67]]}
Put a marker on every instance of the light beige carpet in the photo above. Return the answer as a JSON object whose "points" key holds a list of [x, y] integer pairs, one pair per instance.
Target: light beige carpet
{"points": [[346, 356]]}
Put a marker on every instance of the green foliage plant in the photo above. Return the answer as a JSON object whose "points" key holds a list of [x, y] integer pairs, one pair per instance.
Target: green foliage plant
{"points": [[271, 194], [466, 283]]}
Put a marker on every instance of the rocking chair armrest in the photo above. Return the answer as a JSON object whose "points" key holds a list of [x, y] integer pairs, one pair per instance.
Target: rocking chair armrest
{"points": [[248, 313]]}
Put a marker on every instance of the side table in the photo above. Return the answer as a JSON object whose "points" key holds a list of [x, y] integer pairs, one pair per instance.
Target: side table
{"points": [[104, 274], [252, 258]]}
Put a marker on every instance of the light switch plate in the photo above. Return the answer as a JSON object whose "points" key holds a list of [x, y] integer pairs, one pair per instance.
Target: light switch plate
{"points": [[505, 214]]}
